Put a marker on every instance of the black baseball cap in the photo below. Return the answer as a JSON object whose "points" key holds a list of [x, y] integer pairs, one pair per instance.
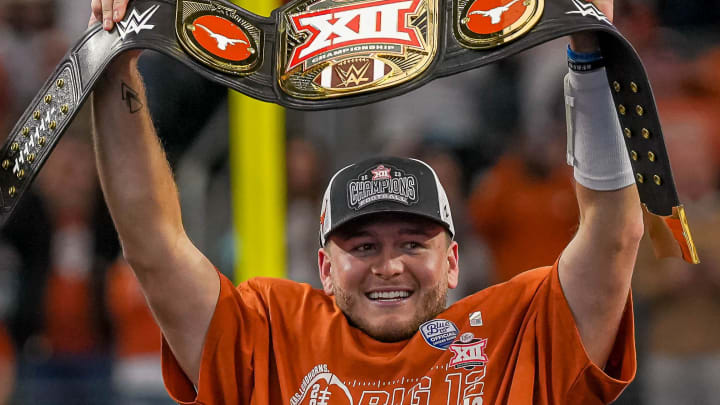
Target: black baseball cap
{"points": [[382, 185]]}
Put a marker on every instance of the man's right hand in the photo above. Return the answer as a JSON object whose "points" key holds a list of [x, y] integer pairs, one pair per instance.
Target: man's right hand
{"points": [[108, 12]]}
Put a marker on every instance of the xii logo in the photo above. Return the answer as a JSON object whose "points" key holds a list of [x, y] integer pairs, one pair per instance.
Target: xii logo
{"points": [[384, 21], [468, 353]]}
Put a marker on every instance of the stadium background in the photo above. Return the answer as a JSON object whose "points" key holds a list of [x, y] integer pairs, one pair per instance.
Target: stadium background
{"points": [[74, 328]]}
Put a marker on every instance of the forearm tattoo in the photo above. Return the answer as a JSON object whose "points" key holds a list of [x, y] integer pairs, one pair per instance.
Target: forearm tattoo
{"points": [[131, 99]]}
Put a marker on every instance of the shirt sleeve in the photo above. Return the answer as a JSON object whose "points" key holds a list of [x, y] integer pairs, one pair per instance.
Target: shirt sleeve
{"points": [[235, 352], [592, 385]]}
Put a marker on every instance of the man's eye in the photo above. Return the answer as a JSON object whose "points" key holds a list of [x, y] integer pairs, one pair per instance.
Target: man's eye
{"points": [[412, 245], [365, 247]]}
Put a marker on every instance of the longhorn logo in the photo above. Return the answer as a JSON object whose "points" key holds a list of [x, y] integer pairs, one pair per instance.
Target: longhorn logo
{"points": [[493, 13], [137, 22], [222, 41], [486, 24], [218, 36]]}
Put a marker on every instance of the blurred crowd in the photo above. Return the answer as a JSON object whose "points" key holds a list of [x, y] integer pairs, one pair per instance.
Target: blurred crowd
{"points": [[74, 326]]}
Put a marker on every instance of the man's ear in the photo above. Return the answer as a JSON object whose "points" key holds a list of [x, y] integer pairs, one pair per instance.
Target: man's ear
{"points": [[324, 270], [453, 264]]}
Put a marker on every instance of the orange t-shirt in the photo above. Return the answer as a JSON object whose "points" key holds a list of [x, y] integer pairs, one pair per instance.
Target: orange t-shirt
{"points": [[279, 342]]}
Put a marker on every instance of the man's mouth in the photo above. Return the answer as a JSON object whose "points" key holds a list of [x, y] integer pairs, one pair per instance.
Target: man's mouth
{"points": [[388, 296]]}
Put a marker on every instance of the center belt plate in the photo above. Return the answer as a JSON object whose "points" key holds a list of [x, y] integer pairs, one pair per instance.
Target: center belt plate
{"points": [[334, 48]]}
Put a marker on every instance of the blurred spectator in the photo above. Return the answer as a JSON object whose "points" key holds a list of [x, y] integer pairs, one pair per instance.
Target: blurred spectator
{"points": [[683, 362], [5, 124], [664, 52], [71, 17], [683, 300], [203, 177], [475, 112], [692, 17], [67, 356], [30, 47], [526, 201], [69, 305], [179, 112], [306, 178], [706, 72], [10, 263], [7, 367], [136, 376], [24, 254], [540, 76], [474, 261], [705, 83]]}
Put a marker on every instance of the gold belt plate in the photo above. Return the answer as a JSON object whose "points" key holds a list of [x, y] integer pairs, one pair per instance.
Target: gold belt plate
{"points": [[486, 24], [335, 48], [217, 36]]}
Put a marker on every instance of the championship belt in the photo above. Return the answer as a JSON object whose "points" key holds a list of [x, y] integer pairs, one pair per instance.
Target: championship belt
{"points": [[325, 54]]}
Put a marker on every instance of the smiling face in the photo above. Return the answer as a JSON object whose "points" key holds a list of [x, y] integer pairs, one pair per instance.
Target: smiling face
{"points": [[389, 273]]}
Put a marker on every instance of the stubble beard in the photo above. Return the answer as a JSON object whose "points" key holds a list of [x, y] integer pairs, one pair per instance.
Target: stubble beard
{"points": [[430, 305]]}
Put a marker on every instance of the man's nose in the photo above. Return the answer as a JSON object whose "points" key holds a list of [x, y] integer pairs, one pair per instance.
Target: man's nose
{"points": [[388, 266]]}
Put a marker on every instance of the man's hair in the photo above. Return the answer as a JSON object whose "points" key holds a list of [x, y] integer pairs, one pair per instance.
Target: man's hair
{"points": [[345, 229]]}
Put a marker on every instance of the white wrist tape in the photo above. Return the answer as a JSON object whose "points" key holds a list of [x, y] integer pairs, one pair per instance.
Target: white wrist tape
{"points": [[595, 147]]}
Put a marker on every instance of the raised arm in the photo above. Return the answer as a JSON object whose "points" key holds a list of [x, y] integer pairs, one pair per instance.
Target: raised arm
{"points": [[180, 284], [596, 267]]}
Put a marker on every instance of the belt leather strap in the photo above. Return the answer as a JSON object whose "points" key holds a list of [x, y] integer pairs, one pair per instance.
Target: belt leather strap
{"points": [[280, 60]]}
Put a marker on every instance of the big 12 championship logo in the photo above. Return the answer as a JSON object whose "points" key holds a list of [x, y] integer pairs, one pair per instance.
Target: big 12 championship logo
{"points": [[331, 48], [485, 24]]}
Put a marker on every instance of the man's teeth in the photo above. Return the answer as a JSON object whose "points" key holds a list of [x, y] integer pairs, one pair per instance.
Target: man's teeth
{"points": [[388, 295]]}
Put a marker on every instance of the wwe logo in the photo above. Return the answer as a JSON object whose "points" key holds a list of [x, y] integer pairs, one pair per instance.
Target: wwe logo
{"points": [[354, 75], [586, 9], [137, 22]]}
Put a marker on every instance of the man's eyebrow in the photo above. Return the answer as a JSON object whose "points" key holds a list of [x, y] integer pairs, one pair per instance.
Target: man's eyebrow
{"points": [[353, 233], [423, 231]]}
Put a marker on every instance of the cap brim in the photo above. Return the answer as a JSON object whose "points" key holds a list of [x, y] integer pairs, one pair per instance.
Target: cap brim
{"points": [[387, 210]]}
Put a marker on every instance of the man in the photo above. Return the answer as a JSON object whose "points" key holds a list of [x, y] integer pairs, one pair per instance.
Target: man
{"points": [[379, 334]]}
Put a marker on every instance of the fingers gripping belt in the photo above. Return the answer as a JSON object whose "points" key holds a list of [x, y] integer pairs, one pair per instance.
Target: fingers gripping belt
{"points": [[325, 54]]}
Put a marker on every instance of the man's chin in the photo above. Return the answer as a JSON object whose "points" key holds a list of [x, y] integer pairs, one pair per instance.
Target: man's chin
{"points": [[392, 324], [389, 327], [391, 331]]}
